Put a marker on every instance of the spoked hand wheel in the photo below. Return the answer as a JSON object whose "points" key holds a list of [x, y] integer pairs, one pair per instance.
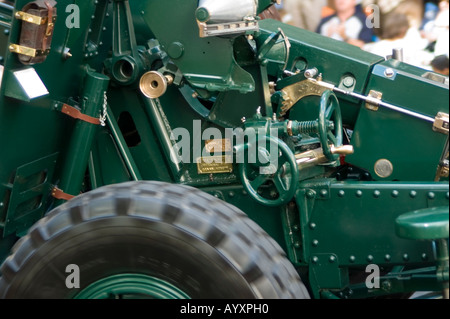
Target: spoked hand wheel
{"points": [[273, 179], [330, 125]]}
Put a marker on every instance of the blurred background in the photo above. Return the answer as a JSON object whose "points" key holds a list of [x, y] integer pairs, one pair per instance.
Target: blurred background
{"points": [[419, 27]]}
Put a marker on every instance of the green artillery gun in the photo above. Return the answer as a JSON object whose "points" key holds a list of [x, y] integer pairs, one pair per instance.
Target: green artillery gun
{"points": [[190, 149]]}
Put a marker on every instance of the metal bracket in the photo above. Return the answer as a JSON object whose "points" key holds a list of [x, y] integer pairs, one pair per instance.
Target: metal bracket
{"points": [[19, 49], [30, 18], [76, 114], [212, 30], [59, 194], [294, 93], [441, 123], [373, 101]]}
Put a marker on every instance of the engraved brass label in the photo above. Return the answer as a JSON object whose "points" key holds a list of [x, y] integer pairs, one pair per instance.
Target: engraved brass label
{"points": [[215, 165]]}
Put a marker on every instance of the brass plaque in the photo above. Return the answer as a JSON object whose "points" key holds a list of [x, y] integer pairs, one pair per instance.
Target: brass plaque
{"points": [[218, 146], [215, 165]]}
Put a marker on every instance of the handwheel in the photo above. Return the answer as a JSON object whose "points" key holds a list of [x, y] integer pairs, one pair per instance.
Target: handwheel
{"points": [[330, 110], [281, 171]]}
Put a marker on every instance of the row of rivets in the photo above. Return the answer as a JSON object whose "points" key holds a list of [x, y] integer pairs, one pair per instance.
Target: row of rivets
{"points": [[388, 258], [376, 194]]}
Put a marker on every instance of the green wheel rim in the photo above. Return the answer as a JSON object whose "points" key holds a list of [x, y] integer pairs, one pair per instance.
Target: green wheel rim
{"points": [[131, 286]]}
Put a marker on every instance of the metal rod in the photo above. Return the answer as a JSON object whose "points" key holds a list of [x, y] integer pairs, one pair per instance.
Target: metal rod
{"points": [[398, 55], [83, 135], [385, 105], [163, 135], [123, 148]]}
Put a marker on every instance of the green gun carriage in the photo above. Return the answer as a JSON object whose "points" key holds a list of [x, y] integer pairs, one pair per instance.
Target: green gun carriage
{"points": [[190, 149]]}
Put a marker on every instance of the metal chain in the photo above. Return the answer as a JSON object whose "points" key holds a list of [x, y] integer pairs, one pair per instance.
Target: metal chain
{"points": [[105, 110]]}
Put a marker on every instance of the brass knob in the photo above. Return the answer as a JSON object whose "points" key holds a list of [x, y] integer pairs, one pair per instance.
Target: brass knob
{"points": [[154, 84]]}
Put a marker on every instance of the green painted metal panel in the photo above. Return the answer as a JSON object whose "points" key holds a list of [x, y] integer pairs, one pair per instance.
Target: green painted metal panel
{"points": [[27, 202], [409, 143], [356, 221]]}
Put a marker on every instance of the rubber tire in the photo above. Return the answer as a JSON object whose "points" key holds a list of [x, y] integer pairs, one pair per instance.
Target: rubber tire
{"points": [[202, 245]]}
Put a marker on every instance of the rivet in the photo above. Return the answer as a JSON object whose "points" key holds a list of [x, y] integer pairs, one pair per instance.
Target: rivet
{"points": [[370, 258], [376, 194], [341, 193], [387, 285], [389, 73], [447, 196], [312, 226], [296, 228], [332, 259], [352, 259], [315, 260], [424, 257], [405, 257], [315, 243], [413, 194], [359, 193], [231, 194], [395, 194], [297, 245], [323, 193], [244, 192], [310, 194], [431, 195], [387, 257]]}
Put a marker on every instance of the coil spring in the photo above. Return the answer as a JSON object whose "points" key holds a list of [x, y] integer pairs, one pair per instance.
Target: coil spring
{"points": [[308, 127]]}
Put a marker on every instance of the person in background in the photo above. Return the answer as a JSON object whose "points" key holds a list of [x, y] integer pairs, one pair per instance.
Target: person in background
{"points": [[437, 31], [394, 36], [305, 14], [440, 64], [347, 24], [413, 9]]}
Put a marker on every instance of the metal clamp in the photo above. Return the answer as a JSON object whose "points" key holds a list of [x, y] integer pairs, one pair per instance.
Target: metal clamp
{"points": [[19, 49], [59, 194], [30, 18], [441, 123], [76, 114], [373, 100]]}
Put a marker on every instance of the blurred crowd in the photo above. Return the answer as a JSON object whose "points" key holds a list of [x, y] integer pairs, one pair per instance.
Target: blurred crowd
{"points": [[419, 27]]}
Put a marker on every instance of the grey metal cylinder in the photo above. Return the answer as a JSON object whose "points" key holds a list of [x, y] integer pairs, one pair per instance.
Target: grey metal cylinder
{"points": [[223, 11], [398, 54]]}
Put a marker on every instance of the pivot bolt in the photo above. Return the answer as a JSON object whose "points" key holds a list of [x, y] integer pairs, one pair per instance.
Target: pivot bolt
{"points": [[389, 73]]}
